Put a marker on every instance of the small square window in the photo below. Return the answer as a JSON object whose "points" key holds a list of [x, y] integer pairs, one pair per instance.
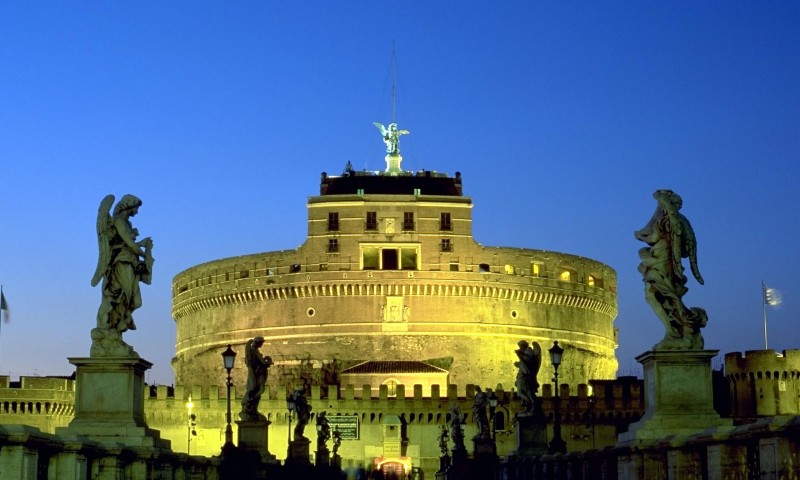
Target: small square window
{"points": [[333, 245], [446, 245], [454, 266]]}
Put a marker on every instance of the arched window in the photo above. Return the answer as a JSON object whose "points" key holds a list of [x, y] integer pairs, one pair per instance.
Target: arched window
{"points": [[565, 276], [391, 387], [499, 421]]}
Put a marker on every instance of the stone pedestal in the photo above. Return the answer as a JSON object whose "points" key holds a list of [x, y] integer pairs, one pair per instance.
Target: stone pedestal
{"points": [[393, 164], [109, 402], [254, 436], [444, 464], [531, 435], [482, 447], [323, 457], [298, 452], [678, 396]]}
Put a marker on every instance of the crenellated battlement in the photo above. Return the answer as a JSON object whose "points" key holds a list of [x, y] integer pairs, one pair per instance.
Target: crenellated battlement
{"points": [[763, 382], [624, 394], [762, 363], [42, 402]]}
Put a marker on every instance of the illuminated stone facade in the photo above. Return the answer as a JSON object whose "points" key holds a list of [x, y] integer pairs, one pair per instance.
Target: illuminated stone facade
{"points": [[763, 383], [390, 272]]}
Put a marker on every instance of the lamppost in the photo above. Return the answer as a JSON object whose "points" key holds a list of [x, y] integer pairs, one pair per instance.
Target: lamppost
{"points": [[557, 445], [228, 357], [190, 427]]}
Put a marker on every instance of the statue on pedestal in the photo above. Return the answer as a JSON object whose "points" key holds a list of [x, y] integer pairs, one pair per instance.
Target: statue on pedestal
{"points": [[479, 405], [530, 360], [123, 262], [323, 431], [457, 428], [443, 433], [670, 238], [303, 411], [257, 372], [391, 137]]}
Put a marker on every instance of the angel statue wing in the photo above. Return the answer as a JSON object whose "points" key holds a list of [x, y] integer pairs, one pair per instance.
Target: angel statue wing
{"points": [[103, 224], [537, 359], [381, 127], [689, 248]]}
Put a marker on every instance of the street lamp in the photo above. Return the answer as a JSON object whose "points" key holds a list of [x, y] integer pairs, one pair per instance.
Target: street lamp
{"points": [[557, 445], [190, 427], [228, 357]]}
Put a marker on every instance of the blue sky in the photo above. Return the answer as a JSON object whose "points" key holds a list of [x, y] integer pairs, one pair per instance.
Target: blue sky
{"points": [[563, 118]]}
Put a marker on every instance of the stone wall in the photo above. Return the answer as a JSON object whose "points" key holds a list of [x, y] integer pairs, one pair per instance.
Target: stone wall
{"points": [[476, 318], [593, 415], [763, 383]]}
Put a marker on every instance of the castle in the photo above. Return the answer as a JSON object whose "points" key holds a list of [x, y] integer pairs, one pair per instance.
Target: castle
{"points": [[390, 272]]}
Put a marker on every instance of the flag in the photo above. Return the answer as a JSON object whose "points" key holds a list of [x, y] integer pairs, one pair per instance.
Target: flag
{"points": [[772, 297], [4, 307]]}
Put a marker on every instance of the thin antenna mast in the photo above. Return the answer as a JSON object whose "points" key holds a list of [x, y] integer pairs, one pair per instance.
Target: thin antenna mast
{"points": [[394, 84]]}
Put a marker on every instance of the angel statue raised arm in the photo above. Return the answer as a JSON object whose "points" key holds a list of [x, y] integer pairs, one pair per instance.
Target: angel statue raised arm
{"points": [[670, 238], [391, 137], [123, 263]]}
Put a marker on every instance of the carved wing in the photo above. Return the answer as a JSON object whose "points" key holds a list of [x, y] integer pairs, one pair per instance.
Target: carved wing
{"points": [[103, 225], [537, 358], [689, 248]]}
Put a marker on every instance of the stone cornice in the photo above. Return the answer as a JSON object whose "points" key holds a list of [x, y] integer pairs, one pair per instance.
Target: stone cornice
{"points": [[441, 288]]}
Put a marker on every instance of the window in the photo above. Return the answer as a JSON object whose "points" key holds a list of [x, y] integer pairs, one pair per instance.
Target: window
{"points": [[536, 269], [294, 268], [499, 421], [444, 222], [394, 257], [446, 245], [565, 276], [333, 245], [391, 387], [333, 221], [408, 221], [453, 266], [509, 269], [483, 268], [590, 281], [372, 220]]}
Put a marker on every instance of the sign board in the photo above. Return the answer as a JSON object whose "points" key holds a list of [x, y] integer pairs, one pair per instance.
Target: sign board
{"points": [[347, 425]]}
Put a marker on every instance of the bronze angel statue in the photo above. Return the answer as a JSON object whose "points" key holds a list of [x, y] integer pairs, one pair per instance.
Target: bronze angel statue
{"points": [[670, 238], [123, 263], [391, 137]]}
